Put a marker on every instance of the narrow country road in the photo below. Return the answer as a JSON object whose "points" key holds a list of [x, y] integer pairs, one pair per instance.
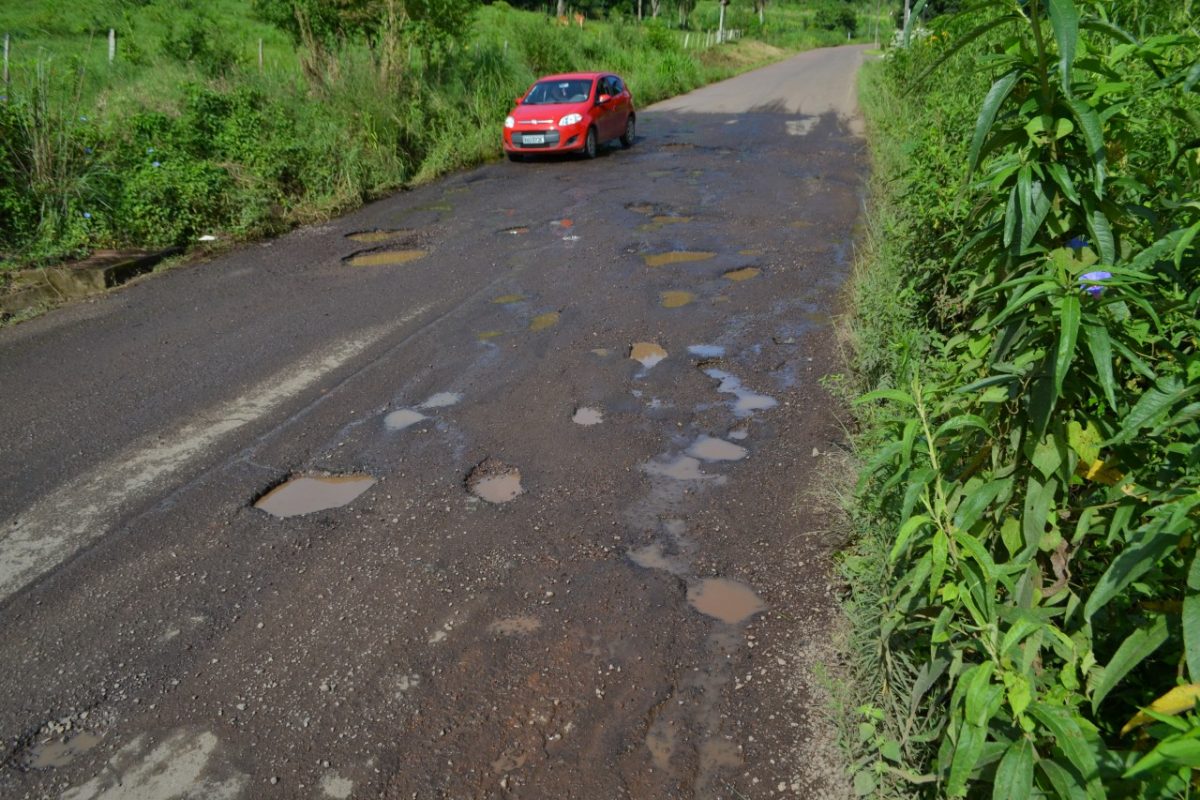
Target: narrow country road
{"points": [[574, 407]]}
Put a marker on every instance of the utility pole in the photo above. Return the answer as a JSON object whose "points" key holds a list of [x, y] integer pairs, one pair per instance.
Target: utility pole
{"points": [[721, 22]]}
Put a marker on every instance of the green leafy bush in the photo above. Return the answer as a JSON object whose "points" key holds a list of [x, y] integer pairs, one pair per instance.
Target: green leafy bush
{"points": [[1037, 466]]}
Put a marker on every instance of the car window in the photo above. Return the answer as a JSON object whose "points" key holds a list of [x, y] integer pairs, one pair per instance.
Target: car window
{"points": [[564, 91], [617, 86]]}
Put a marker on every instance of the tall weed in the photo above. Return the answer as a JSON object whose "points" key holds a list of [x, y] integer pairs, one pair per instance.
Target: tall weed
{"points": [[1038, 468]]}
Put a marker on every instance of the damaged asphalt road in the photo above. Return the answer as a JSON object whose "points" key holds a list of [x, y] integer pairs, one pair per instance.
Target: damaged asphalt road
{"points": [[497, 488]]}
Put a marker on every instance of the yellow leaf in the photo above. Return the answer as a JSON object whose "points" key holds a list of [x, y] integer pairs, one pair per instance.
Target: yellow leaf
{"points": [[1100, 471], [1176, 701]]}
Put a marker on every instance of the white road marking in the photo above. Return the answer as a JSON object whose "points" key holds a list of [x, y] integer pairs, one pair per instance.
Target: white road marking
{"points": [[74, 515]]}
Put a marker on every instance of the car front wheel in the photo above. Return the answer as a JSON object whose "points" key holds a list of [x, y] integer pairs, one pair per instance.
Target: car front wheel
{"points": [[590, 144], [627, 136]]}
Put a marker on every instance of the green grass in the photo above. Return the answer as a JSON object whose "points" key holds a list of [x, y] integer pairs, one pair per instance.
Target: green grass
{"points": [[184, 135]]}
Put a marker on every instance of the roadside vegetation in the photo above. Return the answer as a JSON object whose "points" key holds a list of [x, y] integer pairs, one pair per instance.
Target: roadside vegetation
{"points": [[189, 131], [1025, 587]]}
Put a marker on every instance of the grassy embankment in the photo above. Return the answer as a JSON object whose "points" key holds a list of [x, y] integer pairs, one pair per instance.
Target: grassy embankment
{"points": [[1025, 579], [184, 135]]}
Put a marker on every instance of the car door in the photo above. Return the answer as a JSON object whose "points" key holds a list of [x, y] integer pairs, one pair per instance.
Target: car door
{"points": [[606, 113], [624, 105]]}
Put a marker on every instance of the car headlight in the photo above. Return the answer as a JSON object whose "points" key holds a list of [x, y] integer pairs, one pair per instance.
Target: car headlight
{"points": [[509, 122], [569, 119]]}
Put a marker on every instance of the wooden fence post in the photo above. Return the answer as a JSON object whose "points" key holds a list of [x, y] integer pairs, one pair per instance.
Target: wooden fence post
{"points": [[112, 45], [260, 56], [6, 65]]}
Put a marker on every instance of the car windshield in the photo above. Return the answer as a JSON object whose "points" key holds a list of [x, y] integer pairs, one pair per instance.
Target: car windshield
{"points": [[564, 91]]}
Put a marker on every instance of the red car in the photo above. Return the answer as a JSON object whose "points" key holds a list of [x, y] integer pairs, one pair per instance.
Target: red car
{"points": [[570, 113]]}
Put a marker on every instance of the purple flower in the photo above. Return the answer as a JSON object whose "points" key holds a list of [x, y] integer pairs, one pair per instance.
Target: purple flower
{"points": [[156, 164], [1090, 282], [1077, 243], [87, 150], [87, 215]]}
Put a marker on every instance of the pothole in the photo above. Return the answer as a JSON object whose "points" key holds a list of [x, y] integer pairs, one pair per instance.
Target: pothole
{"points": [[652, 557], [487, 336], [442, 400], [710, 448], [507, 299], [515, 626], [742, 274], [676, 298], [55, 753], [543, 321], [385, 258], [679, 468], [378, 236], [309, 494], [676, 257], [494, 481], [402, 418], [728, 600], [746, 402], [647, 353], [707, 350], [585, 415], [750, 251]]}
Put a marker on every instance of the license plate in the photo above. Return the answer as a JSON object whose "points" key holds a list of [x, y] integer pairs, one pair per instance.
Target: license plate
{"points": [[531, 139]]}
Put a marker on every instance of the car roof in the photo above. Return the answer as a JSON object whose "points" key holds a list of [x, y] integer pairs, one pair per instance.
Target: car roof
{"points": [[566, 76]]}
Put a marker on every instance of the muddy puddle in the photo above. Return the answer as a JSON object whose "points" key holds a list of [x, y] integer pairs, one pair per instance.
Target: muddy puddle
{"points": [[653, 556], [495, 482], [508, 299], [487, 336], [678, 468], [309, 494], [543, 321], [658, 221], [710, 448], [676, 298], [647, 353], [585, 415], [728, 600], [676, 257], [59, 752], [707, 350], [402, 418], [386, 258], [442, 400], [746, 402], [742, 274], [378, 236]]}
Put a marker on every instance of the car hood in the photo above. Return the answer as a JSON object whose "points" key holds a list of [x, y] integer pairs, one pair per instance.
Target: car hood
{"points": [[550, 111]]}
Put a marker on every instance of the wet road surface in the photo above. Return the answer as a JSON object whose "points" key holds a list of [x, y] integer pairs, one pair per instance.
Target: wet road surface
{"points": [[497, 488]]}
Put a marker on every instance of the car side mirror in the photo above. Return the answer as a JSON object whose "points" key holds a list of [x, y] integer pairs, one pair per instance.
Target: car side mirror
{"points": [[519, 99], [604, 98]]}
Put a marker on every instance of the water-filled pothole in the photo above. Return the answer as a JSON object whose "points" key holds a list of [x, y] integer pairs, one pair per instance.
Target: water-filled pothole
{"points": [[506, 299], [676, 298], [59, 752], [402, 418], [309, 494], [747, 401], [441, 400], [676, 257], [487, 336], [647, 353], [710, 448], [585, 415], [385, 258], [377, 236], [679, 468], [727, 600], [742, 274], [543, 321], [494, 481], [707, 350]]}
